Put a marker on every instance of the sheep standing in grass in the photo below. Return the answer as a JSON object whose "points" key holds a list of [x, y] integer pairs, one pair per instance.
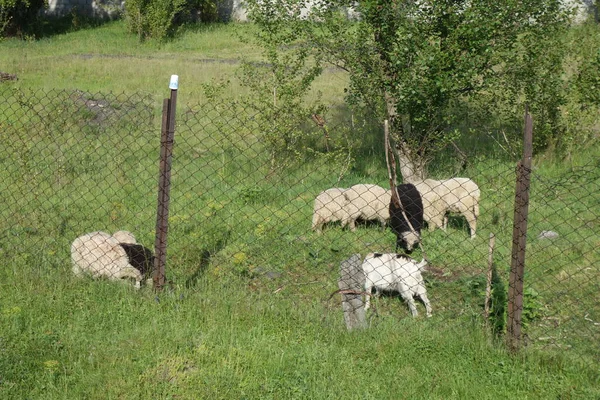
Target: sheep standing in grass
{"points": [[330, 206], [113, 256], [440, 197], [455, 195], [396, 272], [368, 202], [413, 209]]}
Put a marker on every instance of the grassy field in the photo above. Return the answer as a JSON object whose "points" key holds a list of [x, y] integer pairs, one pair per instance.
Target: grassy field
{"points": [[248, 313]]}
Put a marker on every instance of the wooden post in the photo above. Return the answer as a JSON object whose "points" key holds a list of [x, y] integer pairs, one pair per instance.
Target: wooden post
{"points": [[517, 267], [164, 185], [488, 287], [391, 167], [352, 284]]}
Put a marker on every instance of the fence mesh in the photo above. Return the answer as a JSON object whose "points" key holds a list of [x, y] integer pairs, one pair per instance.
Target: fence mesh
{"points": [[242, 204]]}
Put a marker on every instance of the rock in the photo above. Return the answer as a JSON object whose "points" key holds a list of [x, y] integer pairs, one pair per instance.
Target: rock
{"points": [[548, 235]]}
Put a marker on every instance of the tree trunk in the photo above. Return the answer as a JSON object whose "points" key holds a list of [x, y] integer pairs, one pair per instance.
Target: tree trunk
{"points": [[412, 167]]}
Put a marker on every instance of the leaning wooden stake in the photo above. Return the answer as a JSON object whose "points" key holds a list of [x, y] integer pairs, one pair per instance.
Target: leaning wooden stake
{"points": [[488, 287], [517, 266], [391, 166], [351, 284]]}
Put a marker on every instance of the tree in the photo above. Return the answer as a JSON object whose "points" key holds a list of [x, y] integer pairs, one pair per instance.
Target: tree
{"points": [[18, 17], [412, 61]]}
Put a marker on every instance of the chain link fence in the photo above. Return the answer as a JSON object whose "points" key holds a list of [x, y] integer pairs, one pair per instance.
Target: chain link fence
{"points": [[242, 201]]}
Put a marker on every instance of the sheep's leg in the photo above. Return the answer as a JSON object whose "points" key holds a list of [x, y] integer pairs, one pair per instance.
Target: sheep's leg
{"points": [[352, 224], [412, 306], [445, 222], [383, 223], [430, 225], [425, 299], [407, 296], [472, 221], [367, 297]]}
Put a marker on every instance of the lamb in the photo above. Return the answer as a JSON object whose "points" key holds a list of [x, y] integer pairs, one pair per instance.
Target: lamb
{"points": [[413, 208], [455, 195], [396, 272], [115, 256], [330, 206], [368, 202]]}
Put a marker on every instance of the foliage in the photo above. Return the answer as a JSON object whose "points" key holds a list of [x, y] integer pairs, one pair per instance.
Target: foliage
{"points": [[412, 62], [19, 16], [292, 119], [588, 80], [200, 10], [159, 19], [153, 18]]}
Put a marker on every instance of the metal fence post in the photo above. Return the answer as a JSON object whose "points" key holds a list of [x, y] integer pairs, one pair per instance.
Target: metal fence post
{"points": [[517, 266], [164, 184]]}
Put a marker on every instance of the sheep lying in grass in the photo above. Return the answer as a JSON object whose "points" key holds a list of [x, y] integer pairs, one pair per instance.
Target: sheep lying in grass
{"points": [[368, 202], [330, 206], [396, 272], [413, 209], [455, 195], [115, 256]]}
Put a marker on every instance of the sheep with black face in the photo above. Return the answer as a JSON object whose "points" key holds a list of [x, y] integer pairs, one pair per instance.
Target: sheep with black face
{"points": [[412, 205], [116, 257]]}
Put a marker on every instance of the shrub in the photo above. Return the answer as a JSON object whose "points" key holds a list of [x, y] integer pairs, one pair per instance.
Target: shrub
{"points": [[159, 19], [18, 17], [152, 18]]}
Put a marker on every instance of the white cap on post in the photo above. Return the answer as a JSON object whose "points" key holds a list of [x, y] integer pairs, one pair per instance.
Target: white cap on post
{"points": [[174, 83]]}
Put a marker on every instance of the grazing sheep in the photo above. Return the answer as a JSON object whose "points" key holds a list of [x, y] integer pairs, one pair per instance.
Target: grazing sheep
{"points": [[115, 256], [330, 206], [368, 202], [413, 208], [396, 272], [455, 195]]}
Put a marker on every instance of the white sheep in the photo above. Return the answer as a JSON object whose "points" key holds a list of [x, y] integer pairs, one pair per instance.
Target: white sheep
{"points": [[101, 254], [368, 202], [454, 195], [330, 206], [396, 272]]}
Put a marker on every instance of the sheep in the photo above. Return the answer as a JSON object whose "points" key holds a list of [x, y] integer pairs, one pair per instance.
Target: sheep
{"points": [[368, 202], [457, 195], [413, 208], [396, 272], [140, 257], [115, 256], [330, 206], [454, 195]]}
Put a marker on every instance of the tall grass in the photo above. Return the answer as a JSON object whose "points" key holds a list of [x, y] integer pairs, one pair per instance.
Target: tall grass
{"points": [[248, 312]]}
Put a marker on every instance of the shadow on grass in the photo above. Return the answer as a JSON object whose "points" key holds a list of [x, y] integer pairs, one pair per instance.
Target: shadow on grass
{"points": [[205, 256]]}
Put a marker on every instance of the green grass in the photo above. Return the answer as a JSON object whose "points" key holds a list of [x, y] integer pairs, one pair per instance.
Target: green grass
{"points": [[249, 312]]}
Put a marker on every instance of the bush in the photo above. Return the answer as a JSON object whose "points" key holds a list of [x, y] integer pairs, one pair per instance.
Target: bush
{"points": [[159, 19], [19, 17], [152, 18]]}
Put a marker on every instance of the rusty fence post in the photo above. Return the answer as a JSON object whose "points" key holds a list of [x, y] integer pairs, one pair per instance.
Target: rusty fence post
{"points": [[164, 184], [517, 265]]}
